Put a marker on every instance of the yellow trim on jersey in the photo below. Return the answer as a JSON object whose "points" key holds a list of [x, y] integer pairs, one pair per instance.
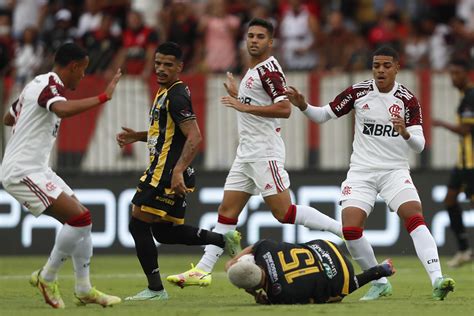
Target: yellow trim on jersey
{"points": [[169, 133], [164, 215], [468, 152], [467, 120], [345, 270], [170, 192]]}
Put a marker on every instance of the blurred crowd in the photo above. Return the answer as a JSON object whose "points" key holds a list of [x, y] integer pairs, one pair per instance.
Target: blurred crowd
{"points": [[310, 34]]}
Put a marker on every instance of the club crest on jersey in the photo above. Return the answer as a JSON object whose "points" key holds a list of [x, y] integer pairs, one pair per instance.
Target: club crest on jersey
{"points": [[346, 190], [395, 110], [249, 83]]}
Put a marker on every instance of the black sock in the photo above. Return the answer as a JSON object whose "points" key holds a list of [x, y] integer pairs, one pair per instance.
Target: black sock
{"points": [[167, 233], [367, 276], [146, 252], [457, 226]]}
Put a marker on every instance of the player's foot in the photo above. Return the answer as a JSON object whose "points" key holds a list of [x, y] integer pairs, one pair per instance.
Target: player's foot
{"points": [[149, 295], [442, 286], [460, 258], [377, 290], [193, 276], [232, 243], [96, 297], [49, 290], [388, 268]]}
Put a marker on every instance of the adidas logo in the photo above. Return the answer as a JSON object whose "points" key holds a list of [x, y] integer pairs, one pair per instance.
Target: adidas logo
{"points": [[268, 186], [365, 107], [407, 181]]}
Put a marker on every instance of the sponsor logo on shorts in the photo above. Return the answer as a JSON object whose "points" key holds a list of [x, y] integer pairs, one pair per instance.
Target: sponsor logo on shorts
{"points": [[165, 200], [50, 186], [268, 186], [346, 190], [26, 204]]}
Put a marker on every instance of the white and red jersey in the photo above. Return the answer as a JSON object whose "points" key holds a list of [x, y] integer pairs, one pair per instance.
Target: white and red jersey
{"points": [[259, 137], [35, 129], [376, 144]]}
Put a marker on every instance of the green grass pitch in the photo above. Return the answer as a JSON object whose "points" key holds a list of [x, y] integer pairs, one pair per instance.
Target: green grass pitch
{"points": [[121, 275]]}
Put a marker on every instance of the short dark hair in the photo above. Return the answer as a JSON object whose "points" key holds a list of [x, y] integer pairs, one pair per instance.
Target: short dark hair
{"points": [[387, 51], [69, 52], [170, 48], [460, 62], [263, 23]]}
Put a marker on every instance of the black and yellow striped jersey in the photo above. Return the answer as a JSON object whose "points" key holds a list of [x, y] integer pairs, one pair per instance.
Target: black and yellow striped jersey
{"points": [[171, 107], [466, 143]]}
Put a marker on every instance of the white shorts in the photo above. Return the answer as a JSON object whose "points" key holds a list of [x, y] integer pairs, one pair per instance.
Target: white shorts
{"points": [[265, 177], [395, 187], [37, 191]]}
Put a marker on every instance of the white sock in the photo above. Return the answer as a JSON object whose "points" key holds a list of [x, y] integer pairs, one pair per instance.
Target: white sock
{"points": [[427, 251], [362, 252], [314, 219], [81, 258], [65, 243], [212, 253]]}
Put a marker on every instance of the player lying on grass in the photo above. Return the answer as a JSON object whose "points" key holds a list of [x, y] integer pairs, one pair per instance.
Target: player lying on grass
{"points": [[313, 272]]}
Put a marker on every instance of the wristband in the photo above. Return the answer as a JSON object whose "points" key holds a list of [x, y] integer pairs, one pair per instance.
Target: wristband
{"points": [[103, 98]]}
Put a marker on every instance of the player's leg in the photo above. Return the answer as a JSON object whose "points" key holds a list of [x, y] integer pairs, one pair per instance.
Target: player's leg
{"points": [[147, 254], [273, 182], [385, 269]]}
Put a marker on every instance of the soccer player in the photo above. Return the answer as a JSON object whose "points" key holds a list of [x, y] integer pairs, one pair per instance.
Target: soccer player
{"points": [[35, 117], [387, 125], [259, 164], [462, 176], [159, 204], [313, 272]]}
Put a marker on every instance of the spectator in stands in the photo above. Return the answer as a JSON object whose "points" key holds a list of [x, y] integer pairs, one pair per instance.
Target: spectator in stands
{"points": [[101, 44], [136, 57], [90, 19], [220, 32], [465, 10], [298, 34], [63, 32], [6, 43], [27, 13], [438, 46], [180, 26], [461, 39], [416, 48], [28, 56], [360, 57]]}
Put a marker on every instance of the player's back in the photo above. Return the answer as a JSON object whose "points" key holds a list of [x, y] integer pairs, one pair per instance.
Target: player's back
{"points": [[35, 129]]}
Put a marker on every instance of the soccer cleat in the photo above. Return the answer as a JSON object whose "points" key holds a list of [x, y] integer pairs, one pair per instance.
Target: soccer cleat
{"points": [[96, 297], [193, 276], [460, 258], [149, 295], [49, 290], [442, 286], [387, 266], [377, 290], [232, 243]]}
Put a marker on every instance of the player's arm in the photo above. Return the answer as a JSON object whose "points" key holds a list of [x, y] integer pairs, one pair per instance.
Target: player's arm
{"points": [[191, 131], [246, 251], [281, 109], [461, 129], [314, 113], [129, 136], [8, 119], [72, 107]]}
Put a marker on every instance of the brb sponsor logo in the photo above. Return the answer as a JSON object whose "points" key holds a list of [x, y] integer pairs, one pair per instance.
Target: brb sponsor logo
{"points": [[379, 130]]}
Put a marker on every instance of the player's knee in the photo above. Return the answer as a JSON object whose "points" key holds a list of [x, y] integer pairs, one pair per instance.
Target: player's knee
{"points": [[414, 221], [285, 217], [352, 232], [81, 220], [165, 233], [136, 226]]}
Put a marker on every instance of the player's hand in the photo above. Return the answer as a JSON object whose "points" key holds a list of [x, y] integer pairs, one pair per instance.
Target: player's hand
{"points": [[399, 126], [296, 98], [109, 91], [230, 85], [233, 103], [177, 184], [127, 136], [261, 298]]}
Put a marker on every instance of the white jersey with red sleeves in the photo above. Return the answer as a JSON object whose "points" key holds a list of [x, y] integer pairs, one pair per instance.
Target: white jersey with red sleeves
{"points": [[259, 137], [35, 129], [376, 144]]}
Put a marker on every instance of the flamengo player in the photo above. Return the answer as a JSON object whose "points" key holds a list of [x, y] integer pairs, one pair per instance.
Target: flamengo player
{"points": [[35, 118], [387, 124], [259, 165]]}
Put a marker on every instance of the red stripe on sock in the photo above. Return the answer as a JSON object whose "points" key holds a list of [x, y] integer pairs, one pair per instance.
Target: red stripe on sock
{"points": [[81, 220], [226, 220], [352, 233], [413, 222], [290, 215]]}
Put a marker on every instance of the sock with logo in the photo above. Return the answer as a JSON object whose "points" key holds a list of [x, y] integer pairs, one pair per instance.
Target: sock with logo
{"points": [[425, 245], [457, 226], [167, 233], [361, 250], [146, 252], [313, 219], [212, 253]]}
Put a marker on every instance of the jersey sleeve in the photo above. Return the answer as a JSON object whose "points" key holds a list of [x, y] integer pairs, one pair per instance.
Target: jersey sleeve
{"points": [[53, 92], [343, 103], [14, 108], [180, 108], [413, 112], [467, 112], [274, 84]]}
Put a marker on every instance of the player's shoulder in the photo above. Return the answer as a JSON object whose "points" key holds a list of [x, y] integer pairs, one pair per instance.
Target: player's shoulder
{"points": [[179, 90], [404, 94], [270, 65], [361, 88]]}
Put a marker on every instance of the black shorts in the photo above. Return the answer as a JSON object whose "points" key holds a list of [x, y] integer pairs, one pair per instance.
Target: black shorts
{"points": [[155, 201], [462, 180]]}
